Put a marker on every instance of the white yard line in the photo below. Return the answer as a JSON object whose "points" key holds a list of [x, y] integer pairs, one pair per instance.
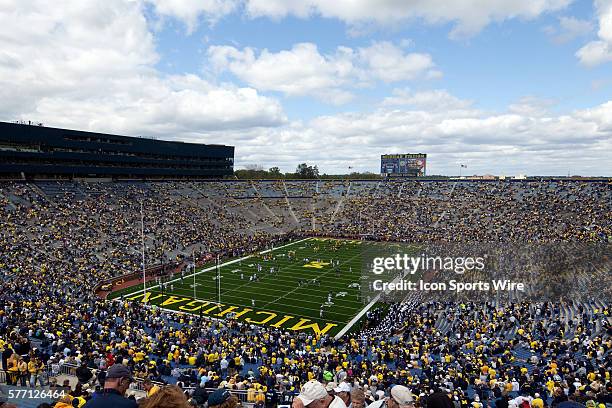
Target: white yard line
{"points": [[357, 317], [221, 265], [318, 276]]}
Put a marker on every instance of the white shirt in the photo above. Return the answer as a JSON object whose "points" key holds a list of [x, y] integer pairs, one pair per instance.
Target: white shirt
{"points": [[337, 403], [377, 404]]}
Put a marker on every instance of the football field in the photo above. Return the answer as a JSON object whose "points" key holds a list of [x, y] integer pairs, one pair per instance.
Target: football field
{"points": [[311, 285]]}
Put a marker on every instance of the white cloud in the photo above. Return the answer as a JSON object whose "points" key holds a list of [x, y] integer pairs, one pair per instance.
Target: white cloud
{"points": [[303, 70], [601, 115], [389, 63], [511, 142], [469, 16], [190, 11], [599, 51], [299, 71], [532, 106], [432, 100], [569, 29], [89, 64]]}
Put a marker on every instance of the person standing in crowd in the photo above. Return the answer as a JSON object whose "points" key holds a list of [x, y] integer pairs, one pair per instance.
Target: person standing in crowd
{"points": [[401, 397], [36, 368], [358, 398], [314, 395], [12, 368], [117, 382], [343, 391], [22, 367], [83, 373]]}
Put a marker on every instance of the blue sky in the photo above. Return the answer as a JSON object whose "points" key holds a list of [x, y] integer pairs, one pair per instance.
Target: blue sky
{"points": [[526, 82], [499, 65]]}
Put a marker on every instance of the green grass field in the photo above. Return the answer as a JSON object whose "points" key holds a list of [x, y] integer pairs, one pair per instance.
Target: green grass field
{"points": [[275, 299]]}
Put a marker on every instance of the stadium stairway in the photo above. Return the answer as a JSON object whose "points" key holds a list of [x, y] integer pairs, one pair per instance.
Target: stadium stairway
{"points": [[17, 201], [54, 189], [10, 204], [288, 203]]}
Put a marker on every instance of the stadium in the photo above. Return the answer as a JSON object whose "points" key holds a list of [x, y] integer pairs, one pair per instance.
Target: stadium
{"points": [[305, 204], [258, 285]]}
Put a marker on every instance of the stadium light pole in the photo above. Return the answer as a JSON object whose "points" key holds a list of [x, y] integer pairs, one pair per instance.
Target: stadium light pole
{"points": [[144, 273], [461, 166], [194, 278]]}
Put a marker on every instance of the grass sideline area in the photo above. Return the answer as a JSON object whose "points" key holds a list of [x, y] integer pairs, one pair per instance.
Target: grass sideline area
{"points": [[324, 266]]}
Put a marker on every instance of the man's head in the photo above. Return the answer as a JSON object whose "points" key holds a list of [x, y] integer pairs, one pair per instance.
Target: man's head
{"points": [[118, 378], [400, 397], [358, 398], [343, 390], [329, 387], [313, 395], [147, 384]]}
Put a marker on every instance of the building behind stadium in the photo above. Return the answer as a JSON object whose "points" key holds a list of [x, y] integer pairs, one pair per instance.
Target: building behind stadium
{"points": [[29, 151]]}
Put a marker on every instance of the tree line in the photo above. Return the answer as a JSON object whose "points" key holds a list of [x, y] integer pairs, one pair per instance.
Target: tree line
{"points": [[302, 171]]}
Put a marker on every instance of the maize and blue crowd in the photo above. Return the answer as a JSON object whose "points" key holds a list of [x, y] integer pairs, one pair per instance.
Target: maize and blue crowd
{"points": [[60, 239]]}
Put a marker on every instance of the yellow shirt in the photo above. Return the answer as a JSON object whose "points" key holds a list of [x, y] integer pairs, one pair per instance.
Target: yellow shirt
{"points": [[34, 368], [153, 390], [251, 395], [260, 397]]}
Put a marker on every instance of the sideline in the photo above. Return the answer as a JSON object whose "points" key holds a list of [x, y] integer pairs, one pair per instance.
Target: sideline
{"points": [[210, 268], [367, 308]]}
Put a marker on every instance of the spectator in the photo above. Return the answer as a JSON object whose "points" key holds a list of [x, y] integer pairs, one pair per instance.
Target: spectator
{"points": [[83, 373], [169, 396], [149, 387], [118, 379], [200, 395], [314, 395], [358, 398], [343, 391], [222, 398]]}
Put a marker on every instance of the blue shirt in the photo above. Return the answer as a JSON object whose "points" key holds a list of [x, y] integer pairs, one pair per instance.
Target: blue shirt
{"points": [[110, 398]]}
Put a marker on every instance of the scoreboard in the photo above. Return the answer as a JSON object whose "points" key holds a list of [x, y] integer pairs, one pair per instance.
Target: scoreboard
{"points": [[409, 164]]}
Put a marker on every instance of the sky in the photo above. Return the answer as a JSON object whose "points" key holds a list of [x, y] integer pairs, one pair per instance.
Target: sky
{"points": [[504, 87]]}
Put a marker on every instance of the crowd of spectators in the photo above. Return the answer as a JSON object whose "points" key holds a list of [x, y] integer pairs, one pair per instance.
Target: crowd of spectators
{"points": [[55, 247]]}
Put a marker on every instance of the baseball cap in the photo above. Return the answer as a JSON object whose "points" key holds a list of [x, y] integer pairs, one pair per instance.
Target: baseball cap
{"points": [[329, 387], [119, 371], [312, 390], [218, 397], [343, 387], [402, 395]]}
